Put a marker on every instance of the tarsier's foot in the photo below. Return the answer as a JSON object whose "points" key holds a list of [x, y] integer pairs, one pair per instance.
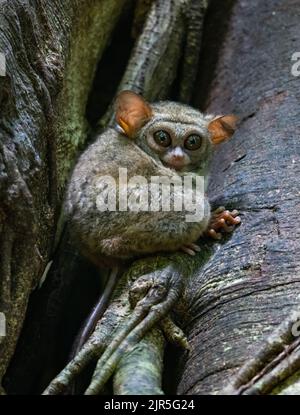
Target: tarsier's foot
{"points": [[222, 220], [173, 333], [190, 249]]}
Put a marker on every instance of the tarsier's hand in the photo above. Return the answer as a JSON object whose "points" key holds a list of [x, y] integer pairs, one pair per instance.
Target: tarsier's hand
{"points": [[190, 249], [221, 221]]}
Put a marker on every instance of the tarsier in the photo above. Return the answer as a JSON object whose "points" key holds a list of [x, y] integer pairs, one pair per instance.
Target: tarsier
{"points": [[160, 139]]}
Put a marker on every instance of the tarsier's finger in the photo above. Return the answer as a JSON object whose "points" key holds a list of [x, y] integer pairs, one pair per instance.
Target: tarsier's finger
{"points": [[194, 247], [213, 234], [234, 213], [191, 249], [223, 225], [219, 210], [188, 251], [230, 218]]}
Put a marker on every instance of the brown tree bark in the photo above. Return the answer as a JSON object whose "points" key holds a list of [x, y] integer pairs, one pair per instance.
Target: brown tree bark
{"points": [[51, 51], [61, 43], [250, 284], [239, 290]]}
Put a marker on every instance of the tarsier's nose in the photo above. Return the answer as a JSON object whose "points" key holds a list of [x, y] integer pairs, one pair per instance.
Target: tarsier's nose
{"points": [[177, 154], [177, 157]]}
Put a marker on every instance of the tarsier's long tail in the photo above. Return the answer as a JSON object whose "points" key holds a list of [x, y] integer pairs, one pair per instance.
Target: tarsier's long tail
{"points": [[97, 312]]}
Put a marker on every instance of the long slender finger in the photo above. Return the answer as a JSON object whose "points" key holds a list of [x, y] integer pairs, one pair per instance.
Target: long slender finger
{"points": [[223, 225], [194, 247], [188, 250], [219, 210], [215, 235], [230, 218]]}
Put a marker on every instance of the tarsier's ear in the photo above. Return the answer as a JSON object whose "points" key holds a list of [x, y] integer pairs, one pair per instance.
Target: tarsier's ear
{"points": [[222, 128], [132, 112]]}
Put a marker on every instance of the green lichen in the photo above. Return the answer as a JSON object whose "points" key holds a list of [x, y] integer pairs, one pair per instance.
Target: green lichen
{"points": [[90, 36], [291, 386], [140, 370]]}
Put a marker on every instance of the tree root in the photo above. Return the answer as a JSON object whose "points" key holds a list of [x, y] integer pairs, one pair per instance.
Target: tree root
{"points": [[65, 378], [173, 333], [277, 358], [149, 310], [140, 371], [152, 296]]}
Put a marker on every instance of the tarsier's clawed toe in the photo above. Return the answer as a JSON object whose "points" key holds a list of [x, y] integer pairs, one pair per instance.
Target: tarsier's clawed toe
{"points": [[174, 334], [190, 249], [222, 220]]}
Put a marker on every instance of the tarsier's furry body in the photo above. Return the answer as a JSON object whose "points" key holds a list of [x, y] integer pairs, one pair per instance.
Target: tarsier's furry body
{"points": [[162, 139]]}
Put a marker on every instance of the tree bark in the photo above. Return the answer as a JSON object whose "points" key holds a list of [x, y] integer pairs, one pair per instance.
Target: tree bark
{"points": [[249, 284], [51, 51], [238, 290], [61, 43]]}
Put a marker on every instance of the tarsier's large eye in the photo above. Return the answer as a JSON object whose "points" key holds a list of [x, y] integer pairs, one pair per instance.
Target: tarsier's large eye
{"points": [[193, 142], [162, 138]]}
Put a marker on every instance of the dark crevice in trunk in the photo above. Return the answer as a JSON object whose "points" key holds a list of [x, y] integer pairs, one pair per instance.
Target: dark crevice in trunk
{"points": [[216, 23], [56, 310], [53, 317], [110, 69]]}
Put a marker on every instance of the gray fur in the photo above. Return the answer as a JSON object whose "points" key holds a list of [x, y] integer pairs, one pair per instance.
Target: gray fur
{"points": [[124, 235]]}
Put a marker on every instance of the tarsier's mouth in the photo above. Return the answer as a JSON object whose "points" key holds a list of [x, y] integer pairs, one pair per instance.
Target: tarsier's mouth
{"points": [[175, 165]]}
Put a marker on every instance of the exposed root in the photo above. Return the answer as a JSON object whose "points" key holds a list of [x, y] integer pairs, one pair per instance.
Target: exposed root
{"points": [[140, 371], [174, 334], [159, 300], [152, 296], [65, 378], [276, 359]]}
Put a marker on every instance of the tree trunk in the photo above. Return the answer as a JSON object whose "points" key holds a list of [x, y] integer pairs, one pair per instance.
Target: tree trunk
{"points": [[239, 290], [45, 94], [249, 284], [51, 50]]}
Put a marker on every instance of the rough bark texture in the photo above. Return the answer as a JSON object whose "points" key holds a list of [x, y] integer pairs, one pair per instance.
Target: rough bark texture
{"points": [[240, 289], [68, 128], [249, 284], [153, 64], [51, 50], [139, 372]]}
